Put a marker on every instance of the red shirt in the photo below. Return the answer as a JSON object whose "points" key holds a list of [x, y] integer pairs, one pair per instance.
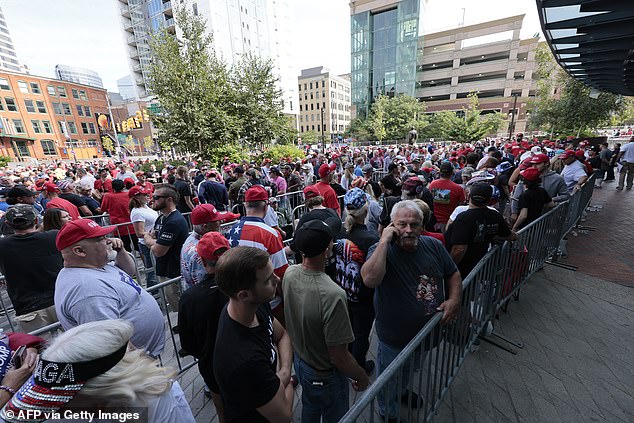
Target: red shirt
{"points": [[149, 186], [60, 203], [447, 196], [116, 205], [440, 237], [103, 186], [330, 197]]}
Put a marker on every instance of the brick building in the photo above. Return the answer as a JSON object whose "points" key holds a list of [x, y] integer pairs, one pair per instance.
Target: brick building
{"points": [[35, 110]]}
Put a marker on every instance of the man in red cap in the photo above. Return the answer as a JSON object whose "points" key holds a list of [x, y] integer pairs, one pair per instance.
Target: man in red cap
{"points": [[91, 288], [51, 193], [532, 202], [323, 186], [199, 311], [574, 172], [251, 231], [143, 182], [205, 218]]}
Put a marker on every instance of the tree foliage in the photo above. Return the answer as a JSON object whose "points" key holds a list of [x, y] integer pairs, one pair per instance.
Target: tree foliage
{"points": [[470, 125], [278, 152], [205, 104], [390, 118], [563, 106]]}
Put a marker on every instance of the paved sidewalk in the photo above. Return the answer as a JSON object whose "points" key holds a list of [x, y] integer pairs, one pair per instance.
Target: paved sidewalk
{"points": [[577, 328]]}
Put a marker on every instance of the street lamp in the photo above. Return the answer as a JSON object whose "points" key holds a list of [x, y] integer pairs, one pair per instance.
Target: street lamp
{"points": [[323, 140], [512, 125]]}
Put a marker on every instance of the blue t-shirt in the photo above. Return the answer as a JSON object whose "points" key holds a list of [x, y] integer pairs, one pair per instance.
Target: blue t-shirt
{"points": [[411, 290]]}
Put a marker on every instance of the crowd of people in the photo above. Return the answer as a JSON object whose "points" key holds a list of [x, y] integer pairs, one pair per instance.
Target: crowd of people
{"points": [[268, 298]]}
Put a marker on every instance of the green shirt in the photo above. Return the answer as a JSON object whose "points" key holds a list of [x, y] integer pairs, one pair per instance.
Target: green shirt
{"points": [[316, 314]]}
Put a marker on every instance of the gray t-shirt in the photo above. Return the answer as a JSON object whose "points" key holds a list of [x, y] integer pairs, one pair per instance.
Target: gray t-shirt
{"points": [[411, 290], [86, 295]]}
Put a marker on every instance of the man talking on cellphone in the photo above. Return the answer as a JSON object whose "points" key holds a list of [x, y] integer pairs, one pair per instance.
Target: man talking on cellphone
{"points": [[414, 277]]}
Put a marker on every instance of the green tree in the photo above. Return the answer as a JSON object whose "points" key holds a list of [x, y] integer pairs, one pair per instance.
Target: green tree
{"points": [[193, 88], [563, 106], [404, 113], [310, 137], [377, 119], [258, 101], [470, 125]]}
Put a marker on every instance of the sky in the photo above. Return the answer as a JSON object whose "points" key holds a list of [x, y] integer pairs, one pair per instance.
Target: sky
{"points": [[87, 33]]}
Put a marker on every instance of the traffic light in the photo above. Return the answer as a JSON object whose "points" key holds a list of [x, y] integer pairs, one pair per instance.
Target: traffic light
{"points": [[137, 123], [124, 126], [131, 124], [138, 116], [118, 126], [146, 117]]}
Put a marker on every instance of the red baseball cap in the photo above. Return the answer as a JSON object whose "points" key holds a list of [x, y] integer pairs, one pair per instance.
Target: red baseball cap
{"points": [[567, 154], [311, 192], [325, 170], [580, 153], [526, 163], [206, 213], [50, 187], [256, 193], [76, 230], [128, 181], [540, 158], [208, 246], [530, 174], [137, 190]]}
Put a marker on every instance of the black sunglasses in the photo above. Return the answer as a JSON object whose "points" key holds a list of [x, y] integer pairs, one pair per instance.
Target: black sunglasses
{"points": [[156, 197]]}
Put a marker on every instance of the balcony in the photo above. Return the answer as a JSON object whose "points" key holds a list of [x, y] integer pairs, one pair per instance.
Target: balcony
{"points": [[128, 27], [124, 10], [167, 7], [169, 23], [131, 40]]}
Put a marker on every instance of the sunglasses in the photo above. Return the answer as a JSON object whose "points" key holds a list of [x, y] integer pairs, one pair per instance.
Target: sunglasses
{"points": [[156, 197]]}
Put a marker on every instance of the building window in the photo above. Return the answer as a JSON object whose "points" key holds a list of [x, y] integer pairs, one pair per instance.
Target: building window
{"points": [[62, 91], [36, 126], [323, 83], [84, 127], [22, 148], [48, 147], [92, 128], [24, 87], [19, 126], [299, 87], [311, 96], [67, 109], [11, 107], [72, 127], [57, 108], [301, 128], [82, 95], [47, 127], [87, 111], [312, 106], [80, 110], [35, 88], [300, 107], [305, 86], [41, 107], [4, 84], [91, 143], [75, 93], [51, 91], [1, 105], [312, 127], [30, 107], [317, 106]]}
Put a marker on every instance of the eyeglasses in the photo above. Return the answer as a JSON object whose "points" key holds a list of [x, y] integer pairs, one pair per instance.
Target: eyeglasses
{"points": [[156, 197]]}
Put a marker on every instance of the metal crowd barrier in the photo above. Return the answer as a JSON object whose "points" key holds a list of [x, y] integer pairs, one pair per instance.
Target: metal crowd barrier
{"points": [[430, 362]]}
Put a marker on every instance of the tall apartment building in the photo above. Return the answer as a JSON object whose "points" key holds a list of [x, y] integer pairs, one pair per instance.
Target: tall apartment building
{"points": [[322, 94], [384, 35], [487, 58], [262, 27], [45, 118], [8, 58], [78, 75]]}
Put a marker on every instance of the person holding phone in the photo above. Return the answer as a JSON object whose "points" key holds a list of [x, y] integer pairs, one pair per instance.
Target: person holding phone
{"points": [[414, 278]]}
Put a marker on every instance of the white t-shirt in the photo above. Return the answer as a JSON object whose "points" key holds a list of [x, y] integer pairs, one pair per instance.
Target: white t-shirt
{"points": [[171, 407], [628, 152], [572, 173], [146, 215]]}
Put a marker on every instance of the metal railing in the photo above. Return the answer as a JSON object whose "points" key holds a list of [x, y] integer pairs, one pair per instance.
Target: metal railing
{"points": [[438, 351]]}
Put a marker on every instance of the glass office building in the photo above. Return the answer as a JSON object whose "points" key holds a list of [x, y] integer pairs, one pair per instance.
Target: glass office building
{"points": [[383, 50]]}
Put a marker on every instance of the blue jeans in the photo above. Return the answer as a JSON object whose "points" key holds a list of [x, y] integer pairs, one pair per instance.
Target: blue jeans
{"points": [[146, 256], [389, 400], [324, 394]]}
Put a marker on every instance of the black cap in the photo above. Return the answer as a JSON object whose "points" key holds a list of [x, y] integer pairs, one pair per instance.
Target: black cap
{"points": [[238, 169], [313, 238], [480, 193], [20, 191], [446, 168]]}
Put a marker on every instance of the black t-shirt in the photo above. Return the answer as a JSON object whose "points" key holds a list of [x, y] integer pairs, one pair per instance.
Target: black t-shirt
{"points": [[30, 263], [245, 363], [199, 311], [475, 228], [170, 230], [388, 205], [503, 181], [350, 254], [75, 200], [595, 162], [534, 200], [184, 190]]}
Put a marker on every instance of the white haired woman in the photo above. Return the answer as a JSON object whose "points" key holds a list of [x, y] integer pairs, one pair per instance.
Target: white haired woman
{"points": [[91, 366]]}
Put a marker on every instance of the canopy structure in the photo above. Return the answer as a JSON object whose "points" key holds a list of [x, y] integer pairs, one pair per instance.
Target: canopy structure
{"points": [[593, 40]]}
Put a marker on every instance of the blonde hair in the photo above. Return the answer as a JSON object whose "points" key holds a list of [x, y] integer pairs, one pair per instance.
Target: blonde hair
{"points": [[135, 379], [355, 216]]}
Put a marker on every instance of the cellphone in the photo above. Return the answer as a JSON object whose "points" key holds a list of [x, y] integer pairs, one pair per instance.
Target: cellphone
{"points": [[18, 357]]}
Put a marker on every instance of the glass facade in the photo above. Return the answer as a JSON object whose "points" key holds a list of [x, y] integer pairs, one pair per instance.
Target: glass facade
{"points": [[383, 53]]}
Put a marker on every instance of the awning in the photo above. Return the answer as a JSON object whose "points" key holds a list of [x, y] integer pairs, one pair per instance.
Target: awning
{"points": [[19, 137], [593, 40]]}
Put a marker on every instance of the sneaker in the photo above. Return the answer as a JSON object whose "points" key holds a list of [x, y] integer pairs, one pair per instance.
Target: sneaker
{"points": [[369, 367], [619, 188], [629, 188], [412, 399]]}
